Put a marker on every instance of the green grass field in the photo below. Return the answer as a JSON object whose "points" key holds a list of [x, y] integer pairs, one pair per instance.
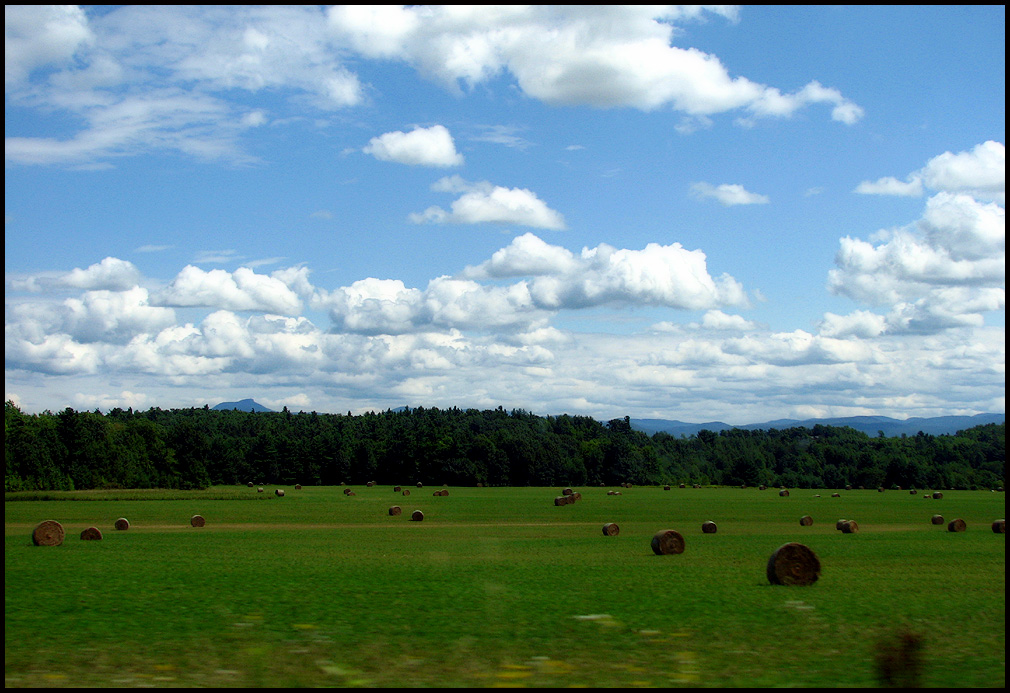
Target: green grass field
{"points": [[496, 587]]}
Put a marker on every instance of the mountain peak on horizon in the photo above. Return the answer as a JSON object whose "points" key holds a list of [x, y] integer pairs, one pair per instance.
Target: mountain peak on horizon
{"points": [[242, 405]]}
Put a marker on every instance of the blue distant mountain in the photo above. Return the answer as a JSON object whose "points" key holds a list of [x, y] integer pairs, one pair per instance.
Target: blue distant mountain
{"points": [[870, 425], [242, 405]]}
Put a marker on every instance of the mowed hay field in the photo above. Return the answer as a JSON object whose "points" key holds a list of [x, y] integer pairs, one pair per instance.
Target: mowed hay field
{"points": [[498, 587]]}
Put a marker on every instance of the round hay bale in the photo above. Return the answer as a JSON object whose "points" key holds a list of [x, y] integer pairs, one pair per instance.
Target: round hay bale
{"points": [[880, 489], [667, 542], [709, 527], [848, 487], [836, 495], [793, 564], [577, 496], [351, 493], [279, 492], [610, 493], [394, 510], [369, 484], [250, 484], [697, 486], [91, 534], [259, 490], [197, 521], [999, 527], [122, 524], [667, 487], [957, 525], [627, 485], [298, 487], [912, 492], [406, 492], [937, 495], [611, 529], [936, 519], [347, 491], [762, 487], [927, 495], [838, 525], [567, 492], [397, 489], [420, 485], [48, 533], [560, 500], [683, 486], [416, 516], [806, 521], [784, 493], [850, 527], [444, 492]]}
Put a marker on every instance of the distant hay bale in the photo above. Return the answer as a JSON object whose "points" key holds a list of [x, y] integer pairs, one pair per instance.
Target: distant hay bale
{"points": [[259, 490], [611, 529], [937, 495], [122, 524], [999, 527], [709, 527], [667, 542], [577, 496], [351, 493], [838, 525], [957, 525], [420, 485], [250, 484], [406, 492], [370, 484], [347, 491], [667, 487], [416, 516], [91, 534], [444, 492], [395, 510], [848, 487], [560, 500], [817, 495], [298, 487], [197, 521], [697, 485], [806, 521], [48, 533], [836, 495], [627, 485], [850, 527], [784, 493], [936, 519], [397, 489], [927, 495], [567, 492], [880, 489], [793, 564], [762, 487], [279, 492], [683, 486], [912, 492]]}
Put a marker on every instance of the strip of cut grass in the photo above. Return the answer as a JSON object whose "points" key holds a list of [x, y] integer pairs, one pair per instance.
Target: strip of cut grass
{"points": [[498, 587]]}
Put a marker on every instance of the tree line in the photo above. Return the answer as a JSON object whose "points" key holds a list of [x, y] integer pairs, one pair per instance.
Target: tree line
{"points": [[195, 448]]}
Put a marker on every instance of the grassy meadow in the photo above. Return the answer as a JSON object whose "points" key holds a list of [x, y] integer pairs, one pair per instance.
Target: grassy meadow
{"points": [[496, 587]]}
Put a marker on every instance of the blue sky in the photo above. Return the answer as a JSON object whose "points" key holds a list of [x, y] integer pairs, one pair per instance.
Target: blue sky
{"points": [[735, 213]]}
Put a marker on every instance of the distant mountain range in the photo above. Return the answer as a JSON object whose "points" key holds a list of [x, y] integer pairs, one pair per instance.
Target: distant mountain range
{"points": [[241, 405], [870, 425]]}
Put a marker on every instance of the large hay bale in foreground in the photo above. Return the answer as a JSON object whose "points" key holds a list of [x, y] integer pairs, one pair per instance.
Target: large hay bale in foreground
{"points": [[122, 524], [416, 516], [936, 519], [48, 533], [709, 527], [394, 511], [850, 527], [667, 542], [957, 525], [999, 527], [611, 529], [793, 564], [806, 521], [197, 521], [91, 534]]}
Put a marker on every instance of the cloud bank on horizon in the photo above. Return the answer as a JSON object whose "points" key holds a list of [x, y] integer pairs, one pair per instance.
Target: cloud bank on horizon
{"points": [[662, 212]]}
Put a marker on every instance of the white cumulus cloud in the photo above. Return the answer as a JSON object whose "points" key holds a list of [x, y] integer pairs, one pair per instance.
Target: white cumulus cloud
{"points": [[728, 194], [241, 290], [432, 146], [482, 202]]}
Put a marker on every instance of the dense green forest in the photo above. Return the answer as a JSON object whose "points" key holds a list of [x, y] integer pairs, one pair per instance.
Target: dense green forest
{"points": [[194, 448]]}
